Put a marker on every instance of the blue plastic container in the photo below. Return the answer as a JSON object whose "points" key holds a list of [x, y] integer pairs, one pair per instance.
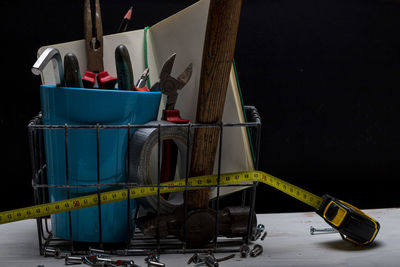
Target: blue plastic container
{"points": [[78, 106]]}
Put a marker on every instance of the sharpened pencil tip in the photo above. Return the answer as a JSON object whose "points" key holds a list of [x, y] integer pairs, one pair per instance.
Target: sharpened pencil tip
{"points": [[128, 14]]}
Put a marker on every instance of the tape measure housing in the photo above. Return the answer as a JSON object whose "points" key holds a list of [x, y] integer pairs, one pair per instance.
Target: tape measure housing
{"points": [[353, 224]]}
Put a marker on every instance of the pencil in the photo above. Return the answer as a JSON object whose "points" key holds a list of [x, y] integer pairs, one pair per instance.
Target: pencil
{"points": [[125, 21]]}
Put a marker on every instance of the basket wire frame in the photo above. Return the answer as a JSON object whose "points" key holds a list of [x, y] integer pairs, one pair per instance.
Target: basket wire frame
{"points": [[139, 244]]}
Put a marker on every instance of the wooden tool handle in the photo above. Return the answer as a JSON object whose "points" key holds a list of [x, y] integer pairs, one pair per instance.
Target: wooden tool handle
{"points": [[219, 48]]}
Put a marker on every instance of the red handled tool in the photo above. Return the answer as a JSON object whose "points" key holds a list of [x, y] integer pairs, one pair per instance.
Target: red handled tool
{"points": [[125, 72], [170, 86], [94, 49], [141, 83]]}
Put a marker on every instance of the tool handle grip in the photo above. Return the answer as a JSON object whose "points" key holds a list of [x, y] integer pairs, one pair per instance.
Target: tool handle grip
{"points": [[219, 48], [93, 37], [72, 74], [124, 68]]}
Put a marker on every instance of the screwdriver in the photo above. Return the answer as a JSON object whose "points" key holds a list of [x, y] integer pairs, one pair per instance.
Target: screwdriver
{"points": [[72, 74], [124, 68]]}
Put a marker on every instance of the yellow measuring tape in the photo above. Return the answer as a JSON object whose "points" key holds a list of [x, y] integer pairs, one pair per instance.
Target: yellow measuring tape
{"points": [[239, 178]]}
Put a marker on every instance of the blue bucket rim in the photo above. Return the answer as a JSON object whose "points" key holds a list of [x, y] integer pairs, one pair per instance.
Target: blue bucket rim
{"points": [[101, 91]]}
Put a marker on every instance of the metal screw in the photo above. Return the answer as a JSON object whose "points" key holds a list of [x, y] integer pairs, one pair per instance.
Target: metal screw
{"points": [[264, 235], [315, 231], [207, 259], [152, 257], [225, 258], [69, 260], [101, 259], [210, 261], [244, 250], [120, 252], [54, 252], [89, 261], [49, 252], [194, 258], [257, 250], [96, 251], [155, 263], [259, 230], [127, 252], [123, 262], [60, 254]]}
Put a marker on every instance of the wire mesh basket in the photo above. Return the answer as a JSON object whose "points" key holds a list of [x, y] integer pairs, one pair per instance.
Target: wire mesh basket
{"points": [[137, 243]]}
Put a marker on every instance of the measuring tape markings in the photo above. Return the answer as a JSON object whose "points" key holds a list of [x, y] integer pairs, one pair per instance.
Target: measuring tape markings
{"points": [[237, 178]]}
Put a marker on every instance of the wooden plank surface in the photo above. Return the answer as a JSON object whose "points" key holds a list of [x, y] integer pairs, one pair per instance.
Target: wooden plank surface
{"points": [[288, 243]]}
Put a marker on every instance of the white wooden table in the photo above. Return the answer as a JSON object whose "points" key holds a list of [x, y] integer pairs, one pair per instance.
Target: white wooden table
{"points": [[288, 243]]}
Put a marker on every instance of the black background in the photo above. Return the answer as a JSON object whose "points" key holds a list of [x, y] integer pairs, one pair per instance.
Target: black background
{"points": [[324, 76]]}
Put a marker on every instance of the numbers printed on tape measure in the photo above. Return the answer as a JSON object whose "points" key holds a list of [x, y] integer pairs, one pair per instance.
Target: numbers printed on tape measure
{"points": [[240, 178]]}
